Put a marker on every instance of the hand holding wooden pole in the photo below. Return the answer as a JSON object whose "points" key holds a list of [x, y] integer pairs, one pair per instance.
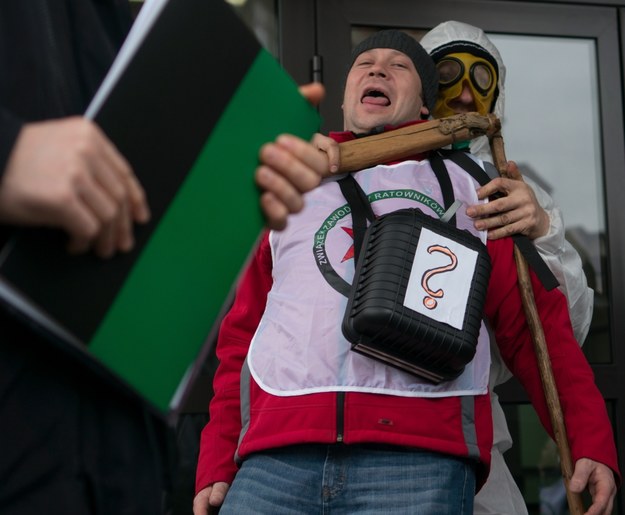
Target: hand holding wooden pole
{"points": [[576, 506]]}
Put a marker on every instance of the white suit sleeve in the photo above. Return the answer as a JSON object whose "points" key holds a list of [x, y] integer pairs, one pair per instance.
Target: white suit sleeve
{"points": [[565, 263]]}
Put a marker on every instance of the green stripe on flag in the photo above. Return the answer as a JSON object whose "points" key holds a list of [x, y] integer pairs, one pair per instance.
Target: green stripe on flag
{"points": [[176, 289]]}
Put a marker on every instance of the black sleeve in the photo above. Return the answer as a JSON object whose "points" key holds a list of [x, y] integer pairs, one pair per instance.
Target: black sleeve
{"points": [[10, 127]]}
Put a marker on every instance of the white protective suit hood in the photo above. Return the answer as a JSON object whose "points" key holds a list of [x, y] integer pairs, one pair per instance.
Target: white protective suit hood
{"points": [[450, 33]]}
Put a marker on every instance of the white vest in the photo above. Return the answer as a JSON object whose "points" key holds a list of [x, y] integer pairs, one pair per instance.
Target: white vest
{"points": [[298, 347]]}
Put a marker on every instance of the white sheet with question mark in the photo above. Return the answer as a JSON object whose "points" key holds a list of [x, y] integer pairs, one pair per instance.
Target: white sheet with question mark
{"points": [[440, 278]]}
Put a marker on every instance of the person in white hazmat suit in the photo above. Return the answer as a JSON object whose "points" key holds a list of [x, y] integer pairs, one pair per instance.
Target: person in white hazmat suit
{"points": [[472, 75]]}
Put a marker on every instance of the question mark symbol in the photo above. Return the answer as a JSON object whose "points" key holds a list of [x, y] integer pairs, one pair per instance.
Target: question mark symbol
{"points": [[430, 302]]}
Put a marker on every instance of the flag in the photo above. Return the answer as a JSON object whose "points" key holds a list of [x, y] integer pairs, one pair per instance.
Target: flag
{"points": [[190, 111]]}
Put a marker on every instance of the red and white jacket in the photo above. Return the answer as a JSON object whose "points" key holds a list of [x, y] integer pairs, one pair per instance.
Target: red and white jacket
{"points": [[287, 376]]}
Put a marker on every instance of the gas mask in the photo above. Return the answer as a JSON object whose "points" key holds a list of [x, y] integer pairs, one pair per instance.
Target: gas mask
{"points": [[457, 69]]}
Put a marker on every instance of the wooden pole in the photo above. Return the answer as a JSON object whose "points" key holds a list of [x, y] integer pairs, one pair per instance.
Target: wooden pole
{"points": [[410, 140], [576, 506]]}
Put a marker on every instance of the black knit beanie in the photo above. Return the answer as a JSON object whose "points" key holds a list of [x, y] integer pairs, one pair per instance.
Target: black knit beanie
{"points": [[398, 40]]}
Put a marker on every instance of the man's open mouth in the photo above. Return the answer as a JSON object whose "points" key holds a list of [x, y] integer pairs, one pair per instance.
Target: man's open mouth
{"points": [[375, 97]]}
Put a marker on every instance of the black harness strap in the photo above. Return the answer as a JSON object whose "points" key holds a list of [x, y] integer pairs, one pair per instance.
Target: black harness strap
{"points": [[527, 248], [361, 207], [361, 210], [535, 261], [442, 175], [465, 162]]}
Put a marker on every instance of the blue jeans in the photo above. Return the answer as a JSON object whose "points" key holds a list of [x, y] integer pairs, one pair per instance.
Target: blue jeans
{"points": [[341, 479]]}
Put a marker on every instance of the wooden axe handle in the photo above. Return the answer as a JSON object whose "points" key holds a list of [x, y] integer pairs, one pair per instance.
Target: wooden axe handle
{"points": [[576, 506], [407, 141]]}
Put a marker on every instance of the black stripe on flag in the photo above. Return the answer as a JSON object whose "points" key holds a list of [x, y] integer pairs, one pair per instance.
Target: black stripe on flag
{"points": [[159, 115]]}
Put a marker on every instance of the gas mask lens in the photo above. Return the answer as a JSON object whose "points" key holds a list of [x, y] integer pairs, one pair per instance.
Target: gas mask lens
{"points": [[481, 77], [450, 70]]}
